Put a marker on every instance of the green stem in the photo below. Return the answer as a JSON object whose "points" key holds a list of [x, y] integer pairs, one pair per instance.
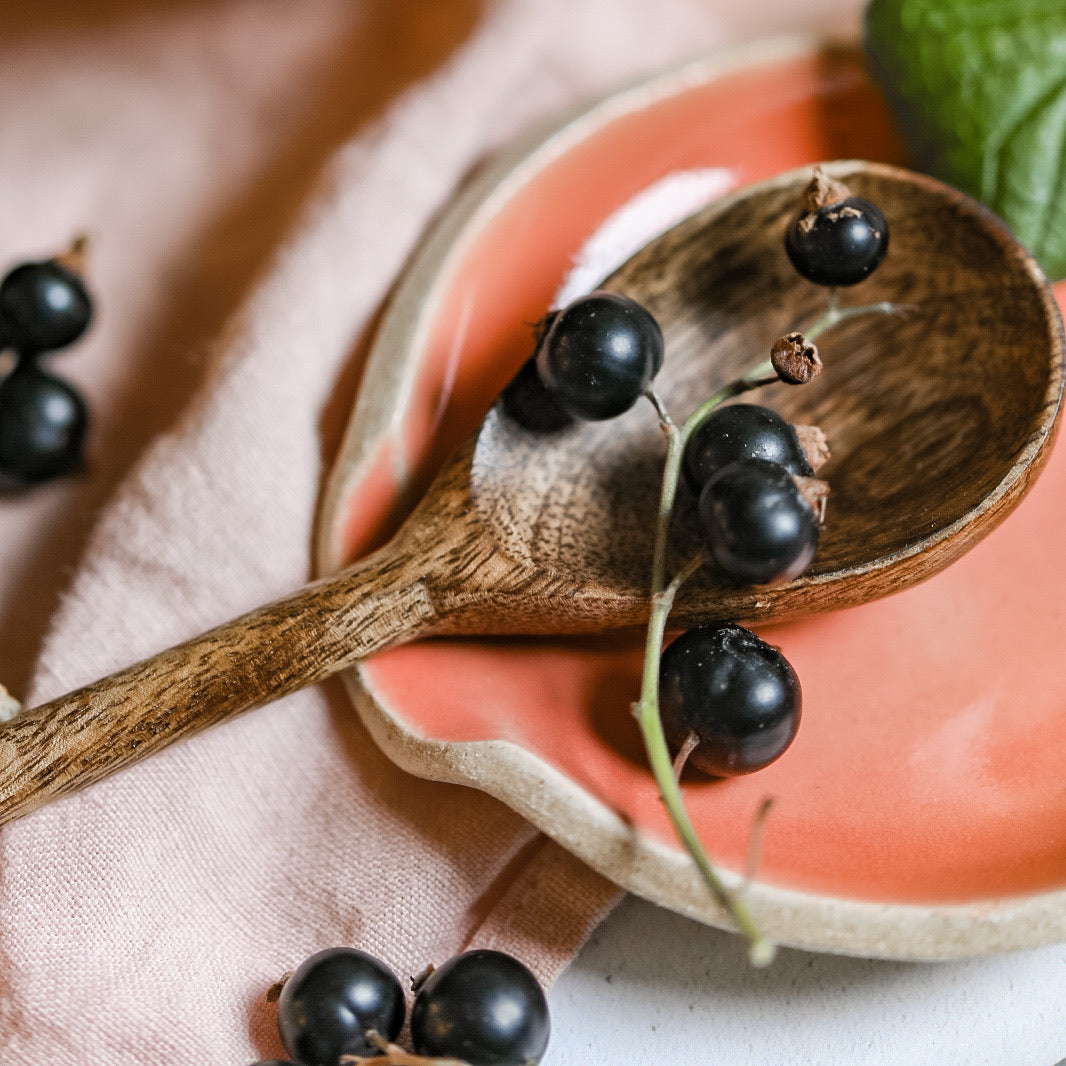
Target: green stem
{"points": [[834, 315], [675, 448], [646, 710]]}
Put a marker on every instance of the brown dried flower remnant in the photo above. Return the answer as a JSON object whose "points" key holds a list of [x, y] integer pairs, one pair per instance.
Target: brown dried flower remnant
{"points": [[815, 492], [814, 443], [823, 191], [274, 991], [795, 359], [76, 257]]}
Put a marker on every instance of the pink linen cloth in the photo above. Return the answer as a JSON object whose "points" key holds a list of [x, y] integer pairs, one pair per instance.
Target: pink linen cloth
{"points": [[253, 175]]}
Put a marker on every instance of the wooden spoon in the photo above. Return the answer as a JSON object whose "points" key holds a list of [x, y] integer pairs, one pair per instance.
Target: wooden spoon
{"points": [[939, 420]]}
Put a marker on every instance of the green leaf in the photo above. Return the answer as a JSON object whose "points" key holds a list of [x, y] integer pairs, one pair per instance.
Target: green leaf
{"points": [[979, 89]]}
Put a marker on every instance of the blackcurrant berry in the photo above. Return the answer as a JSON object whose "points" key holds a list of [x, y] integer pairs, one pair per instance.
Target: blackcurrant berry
{"points": [[526, 400], [757, 524], [742, 431], [483, 1007], [840, 243], [736, 693], [332, 1000], [42, 426], [599, 354], [44, 306]]}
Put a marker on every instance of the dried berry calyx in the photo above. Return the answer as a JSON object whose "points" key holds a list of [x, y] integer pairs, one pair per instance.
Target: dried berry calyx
{"points": [[822, 191], [815, 445], [795, 359]]}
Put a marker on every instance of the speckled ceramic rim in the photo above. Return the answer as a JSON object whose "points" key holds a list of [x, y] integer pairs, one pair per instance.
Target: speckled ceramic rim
{"points": [[552, 802]]}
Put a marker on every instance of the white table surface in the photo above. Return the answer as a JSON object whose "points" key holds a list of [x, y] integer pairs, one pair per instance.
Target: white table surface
{"points": [[652, 986]]}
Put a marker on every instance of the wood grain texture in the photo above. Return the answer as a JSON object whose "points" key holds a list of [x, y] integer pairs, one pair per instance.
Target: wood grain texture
{"points": [[938, 421]]}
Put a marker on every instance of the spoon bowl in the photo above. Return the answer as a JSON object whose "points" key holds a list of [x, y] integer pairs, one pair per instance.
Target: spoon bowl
{"points": [[938, 416], [939, 420]]}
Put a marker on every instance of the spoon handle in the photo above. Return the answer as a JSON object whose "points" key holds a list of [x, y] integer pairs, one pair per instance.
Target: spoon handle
{"points": [[81, 737]]}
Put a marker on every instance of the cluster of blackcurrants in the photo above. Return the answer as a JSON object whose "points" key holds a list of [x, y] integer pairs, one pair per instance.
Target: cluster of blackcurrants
{"points": [[44, 306], [727, 699], [343, 1005]]}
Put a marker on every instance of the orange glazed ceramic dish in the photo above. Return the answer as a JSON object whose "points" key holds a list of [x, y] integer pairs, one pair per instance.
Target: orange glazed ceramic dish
{"points": [[921, 811]]}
